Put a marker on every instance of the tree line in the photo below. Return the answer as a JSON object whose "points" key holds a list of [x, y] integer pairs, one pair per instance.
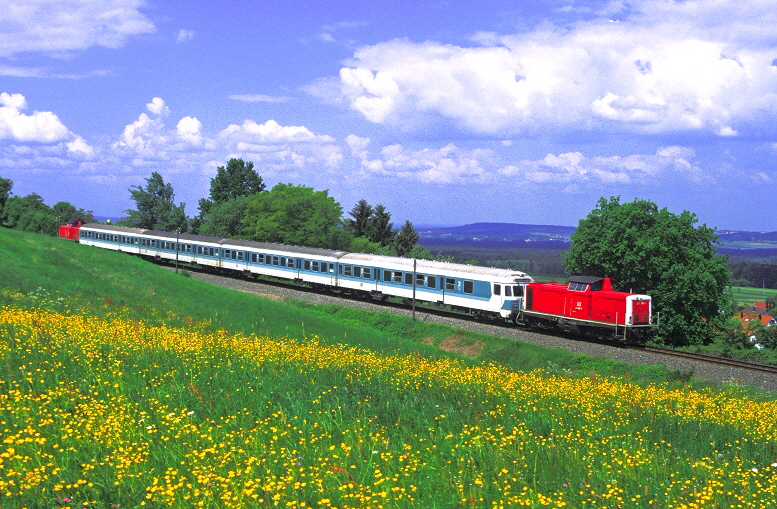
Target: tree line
{"points": [[240, 206], [29, 213]]}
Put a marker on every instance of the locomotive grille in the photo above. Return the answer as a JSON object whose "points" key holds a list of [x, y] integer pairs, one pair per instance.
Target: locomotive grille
{"points": [[641, 318]]}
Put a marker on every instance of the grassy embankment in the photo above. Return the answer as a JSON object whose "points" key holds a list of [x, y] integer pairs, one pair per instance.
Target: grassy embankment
{"points": [[117, 410]]}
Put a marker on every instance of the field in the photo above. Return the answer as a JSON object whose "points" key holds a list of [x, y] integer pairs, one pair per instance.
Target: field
{"points": [[112, 402], [748, 296]]}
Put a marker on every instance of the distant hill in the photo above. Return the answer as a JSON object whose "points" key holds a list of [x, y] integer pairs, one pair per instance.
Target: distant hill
{"points": [[504, 235], [497, 232]]}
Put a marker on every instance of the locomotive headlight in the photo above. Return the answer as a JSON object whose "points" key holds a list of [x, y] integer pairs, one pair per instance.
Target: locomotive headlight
{"points": [[630, 320]]}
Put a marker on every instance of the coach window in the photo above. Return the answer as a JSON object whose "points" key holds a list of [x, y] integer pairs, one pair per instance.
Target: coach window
{"points": [[431, 281], [307, 264], [397, 277], [275, 260], [450, 284], [366, 273], [314, 268], [419, 279], [469, 286], [357, 272], [498, 289], [387, 276], [347, 270], [408, 278]]}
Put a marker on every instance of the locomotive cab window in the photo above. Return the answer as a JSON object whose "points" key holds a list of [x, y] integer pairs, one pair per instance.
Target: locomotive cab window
{"points": [[508, 291], [518, 291], [577, 287]]}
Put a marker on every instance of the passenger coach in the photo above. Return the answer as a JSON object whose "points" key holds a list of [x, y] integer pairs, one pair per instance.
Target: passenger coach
{"points": [[484, 292]]}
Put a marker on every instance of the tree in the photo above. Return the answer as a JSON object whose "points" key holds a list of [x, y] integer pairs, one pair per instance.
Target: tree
{"points": [[226, 219], [67, 213], [651, 251], [406, 240], [30, 214], [156, 207], [5, 193], [361, 213], [236, 179], [296, 215], [379, 227]]}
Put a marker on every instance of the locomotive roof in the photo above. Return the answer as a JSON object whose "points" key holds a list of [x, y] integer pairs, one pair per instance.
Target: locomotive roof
{"points": [[586, 280]]}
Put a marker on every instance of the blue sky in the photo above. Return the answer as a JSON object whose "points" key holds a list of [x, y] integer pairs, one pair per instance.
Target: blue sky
{"points": [[445, 112]]}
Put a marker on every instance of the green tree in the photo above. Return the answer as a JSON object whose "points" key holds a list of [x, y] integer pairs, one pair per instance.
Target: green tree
{"points": [[647, 250], [66, 212], [5, 193], [30, 214], [379, 228], [406, 240], [236, 179], [156, 209], [296, 215], [225, 219], [360, 214]]}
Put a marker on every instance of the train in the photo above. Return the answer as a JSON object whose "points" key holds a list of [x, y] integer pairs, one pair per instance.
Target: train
{"points": [[585, 306]]}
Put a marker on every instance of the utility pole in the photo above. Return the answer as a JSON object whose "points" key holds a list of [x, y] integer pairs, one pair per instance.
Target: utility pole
{"points": [[176, 250], [414, 281]]}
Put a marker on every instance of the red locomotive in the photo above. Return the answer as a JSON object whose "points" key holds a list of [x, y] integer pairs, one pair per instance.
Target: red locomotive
{"points": [[70, 231], [589, 306]]}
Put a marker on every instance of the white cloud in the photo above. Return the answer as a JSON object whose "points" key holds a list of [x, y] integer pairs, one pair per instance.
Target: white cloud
{"points": [[53, 26], [189, 129], [41, 126], [445, 165], [157, 107], [664, 67], [668, 164], [80, 146], [259, 98], [270, 131], [184, 35]]}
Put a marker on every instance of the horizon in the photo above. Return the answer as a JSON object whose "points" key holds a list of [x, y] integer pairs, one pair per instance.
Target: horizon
{"points": [[521, 113]]}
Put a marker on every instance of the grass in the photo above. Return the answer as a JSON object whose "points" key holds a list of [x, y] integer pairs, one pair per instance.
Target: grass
{"points": [[746, 297], [112, 413]]}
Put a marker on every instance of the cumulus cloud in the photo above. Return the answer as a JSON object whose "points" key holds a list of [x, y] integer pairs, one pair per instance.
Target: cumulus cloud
{"points": [[41, 126], [189, 129], [445, 165], [668, 164], [52, 26], [184, 35], [270, 131], [664, 67], [259, 98]]}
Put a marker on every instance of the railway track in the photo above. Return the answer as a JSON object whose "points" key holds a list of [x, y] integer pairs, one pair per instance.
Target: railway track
{"points": [[720, 361]]}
